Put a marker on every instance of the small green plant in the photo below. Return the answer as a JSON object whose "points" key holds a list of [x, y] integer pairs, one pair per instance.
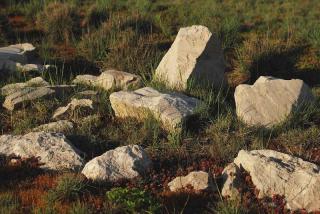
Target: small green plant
{"points": [[8, 204], [80, 208], [230, 207], [69, 188], [133, 200]]}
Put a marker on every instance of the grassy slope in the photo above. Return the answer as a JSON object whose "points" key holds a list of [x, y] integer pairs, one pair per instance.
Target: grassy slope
{"points": [[279, 38]]}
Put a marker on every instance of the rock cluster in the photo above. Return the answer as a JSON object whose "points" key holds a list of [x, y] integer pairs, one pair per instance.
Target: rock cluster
{"points": [[17, 57]]}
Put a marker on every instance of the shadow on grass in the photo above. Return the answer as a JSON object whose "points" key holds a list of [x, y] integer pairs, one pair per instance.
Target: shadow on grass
{"points": [[284, 65]]}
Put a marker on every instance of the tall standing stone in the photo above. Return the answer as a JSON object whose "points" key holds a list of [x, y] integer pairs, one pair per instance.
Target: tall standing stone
{"points": [[194, 56]]}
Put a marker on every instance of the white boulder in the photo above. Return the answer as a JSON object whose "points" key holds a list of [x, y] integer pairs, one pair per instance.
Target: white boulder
{"points": [[55, 152], [278, 173], [195, 55], [170, 108], [270, 100], [124, 162]]}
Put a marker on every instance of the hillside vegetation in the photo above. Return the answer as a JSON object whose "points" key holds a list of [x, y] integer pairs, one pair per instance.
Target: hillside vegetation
{"points": [[279, 38]]}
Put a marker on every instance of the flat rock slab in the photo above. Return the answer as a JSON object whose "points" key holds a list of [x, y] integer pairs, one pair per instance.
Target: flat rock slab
{"points": [[195, 55], [53, 149], [72, 106], [61, 126], [26, 94], [124, 162], [270, 100], [16, 53], [278, 173], [171, 109], [14, 87], [197, 180], [110, 79]]}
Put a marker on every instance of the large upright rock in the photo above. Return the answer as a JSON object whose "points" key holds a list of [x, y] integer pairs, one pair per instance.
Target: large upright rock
{"points": [[270, 100], [278, 173], [195, 56], [26, 94], [171, 109], [124, 162], [53, 149], [110, 79]]}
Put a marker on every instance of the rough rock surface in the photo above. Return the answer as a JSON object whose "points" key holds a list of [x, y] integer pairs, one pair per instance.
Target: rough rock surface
{"points": [[171, 109], [110, 79], [197, 180], [195, 55], [26, 94], [61, 126], [34, 82], [231, 181], [124, 162], [278, 173], [53, 149], [270, 100], [75, 103]]}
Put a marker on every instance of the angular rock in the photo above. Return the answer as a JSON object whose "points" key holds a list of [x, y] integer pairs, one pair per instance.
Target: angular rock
{"points": [[171, 109], [124, 162], [26, 94], [195, 56], [110, 79], [61, 126], [34, 82], [197, 180], [75, 103], [278, 173], [53, 149], [270, 100], [231, 181]]}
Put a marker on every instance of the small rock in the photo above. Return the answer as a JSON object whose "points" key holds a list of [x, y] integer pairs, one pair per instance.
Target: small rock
{"points": [[231, 181], [171, 108], [124, 162], [34, 82], [53, 149], [270, 100], [276, 173], [62, 126], [196, 56], [75, 103], [197, 180], [26, 94], [31, 67], [110, 79]]}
